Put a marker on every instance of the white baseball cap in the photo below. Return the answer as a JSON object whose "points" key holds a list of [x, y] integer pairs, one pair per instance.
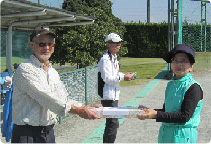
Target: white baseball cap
{"points": [[113, 37]]}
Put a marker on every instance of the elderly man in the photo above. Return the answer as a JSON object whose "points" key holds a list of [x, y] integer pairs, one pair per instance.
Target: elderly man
{"points": [[39, 95], [108, 83]]}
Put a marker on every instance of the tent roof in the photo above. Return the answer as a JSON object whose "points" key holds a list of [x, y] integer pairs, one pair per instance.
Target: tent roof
{"points": [[25, 16]]}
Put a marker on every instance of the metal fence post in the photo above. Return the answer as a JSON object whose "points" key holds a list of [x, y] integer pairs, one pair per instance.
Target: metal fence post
{"points": [[60, 120], [86, 99]]}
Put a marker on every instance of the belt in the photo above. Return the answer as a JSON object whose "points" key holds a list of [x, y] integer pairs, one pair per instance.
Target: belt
{"points": [[41, 129]]}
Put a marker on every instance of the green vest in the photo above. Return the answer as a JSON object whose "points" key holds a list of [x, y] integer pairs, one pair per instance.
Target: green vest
{"points": [[174, 96]]}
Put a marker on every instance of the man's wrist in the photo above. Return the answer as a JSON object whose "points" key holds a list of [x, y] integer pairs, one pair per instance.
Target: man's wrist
{"points": [[74, 109]]}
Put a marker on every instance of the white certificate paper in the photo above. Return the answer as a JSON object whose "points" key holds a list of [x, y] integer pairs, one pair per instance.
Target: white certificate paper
{"points": [[115, 111]]}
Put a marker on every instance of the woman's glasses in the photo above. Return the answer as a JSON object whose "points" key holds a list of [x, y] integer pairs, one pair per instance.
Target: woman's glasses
{"points": [[182, 61]]}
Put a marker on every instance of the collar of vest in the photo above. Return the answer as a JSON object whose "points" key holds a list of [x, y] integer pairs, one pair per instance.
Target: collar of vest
{"points": [[188, 76]]}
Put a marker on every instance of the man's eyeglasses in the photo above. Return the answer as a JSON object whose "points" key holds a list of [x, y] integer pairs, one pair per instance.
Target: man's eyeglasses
{"points": [[115, 43], [41, 44]]}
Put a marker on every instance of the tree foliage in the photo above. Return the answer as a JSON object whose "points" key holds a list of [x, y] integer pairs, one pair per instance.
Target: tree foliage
{"points": [[84, 44]]}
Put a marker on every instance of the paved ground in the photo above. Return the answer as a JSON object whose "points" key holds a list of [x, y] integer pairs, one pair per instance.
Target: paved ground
{"points": [[78, 130]]}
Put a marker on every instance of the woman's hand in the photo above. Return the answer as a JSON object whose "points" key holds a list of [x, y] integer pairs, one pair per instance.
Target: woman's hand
{"points": [[149, 114]]}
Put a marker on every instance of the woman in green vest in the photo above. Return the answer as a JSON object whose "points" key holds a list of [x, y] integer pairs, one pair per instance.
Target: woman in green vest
{"points": [[180, 114]]}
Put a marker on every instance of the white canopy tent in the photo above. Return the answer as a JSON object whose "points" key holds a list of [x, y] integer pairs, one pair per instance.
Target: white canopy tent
{"points": [[22, 15]]}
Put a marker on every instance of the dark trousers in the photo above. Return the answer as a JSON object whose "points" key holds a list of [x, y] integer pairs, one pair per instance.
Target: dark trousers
{"points": [[112, 124], [32, 134]]}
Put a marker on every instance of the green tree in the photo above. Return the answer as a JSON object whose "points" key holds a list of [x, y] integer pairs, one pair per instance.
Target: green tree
{"points": [[84, 44]]}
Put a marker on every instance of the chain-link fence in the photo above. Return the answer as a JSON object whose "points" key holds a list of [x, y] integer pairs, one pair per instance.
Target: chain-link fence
{"points": [[196, 31], [196, 27], [195, 36], [81, 84]]}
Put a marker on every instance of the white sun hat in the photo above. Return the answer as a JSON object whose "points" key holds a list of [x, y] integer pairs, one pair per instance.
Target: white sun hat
{"points": [[113, 37]]}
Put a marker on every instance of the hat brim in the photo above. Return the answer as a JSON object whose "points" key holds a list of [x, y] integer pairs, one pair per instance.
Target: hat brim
{"points": [[119, 40], [169, 55], [180, 48]]}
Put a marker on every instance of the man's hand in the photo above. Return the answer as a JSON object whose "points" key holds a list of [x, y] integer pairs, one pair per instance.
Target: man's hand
{"points": [[127, 77], [95, 105], [84, 112], [127, 73]]}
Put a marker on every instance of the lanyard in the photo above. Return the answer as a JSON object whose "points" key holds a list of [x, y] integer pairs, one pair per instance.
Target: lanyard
{"points": [[115, 63]]}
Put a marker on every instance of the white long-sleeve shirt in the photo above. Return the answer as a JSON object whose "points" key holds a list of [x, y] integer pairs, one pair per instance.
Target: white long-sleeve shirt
{"points": [[108, 66], [38, 95]]}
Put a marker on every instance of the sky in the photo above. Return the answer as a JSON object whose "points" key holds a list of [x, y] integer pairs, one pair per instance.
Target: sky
{"points": [[136, 10]]}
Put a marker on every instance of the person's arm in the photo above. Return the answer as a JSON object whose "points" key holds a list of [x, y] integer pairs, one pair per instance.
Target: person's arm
{"points": [[191, 99], [84, 112], [121, 76], [28, 80], [150, 113], [125, 76], [162, 110]]}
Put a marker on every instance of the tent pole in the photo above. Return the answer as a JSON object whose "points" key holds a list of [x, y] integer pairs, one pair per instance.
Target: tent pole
{"points": [[9, 49]]}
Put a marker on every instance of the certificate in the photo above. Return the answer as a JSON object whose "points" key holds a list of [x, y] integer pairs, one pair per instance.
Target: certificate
{"points": [[118, 112]]}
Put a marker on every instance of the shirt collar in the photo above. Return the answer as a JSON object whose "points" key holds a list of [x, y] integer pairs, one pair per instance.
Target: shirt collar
{"points": [[112, 57]]}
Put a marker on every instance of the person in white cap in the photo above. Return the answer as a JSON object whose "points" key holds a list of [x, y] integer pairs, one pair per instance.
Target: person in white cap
{"points": [[108, 83], [39, 95]]}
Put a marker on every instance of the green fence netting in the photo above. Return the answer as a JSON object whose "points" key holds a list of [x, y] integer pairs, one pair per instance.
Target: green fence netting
{"points": [[192, 35], [20, 44], [196, 25]]}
